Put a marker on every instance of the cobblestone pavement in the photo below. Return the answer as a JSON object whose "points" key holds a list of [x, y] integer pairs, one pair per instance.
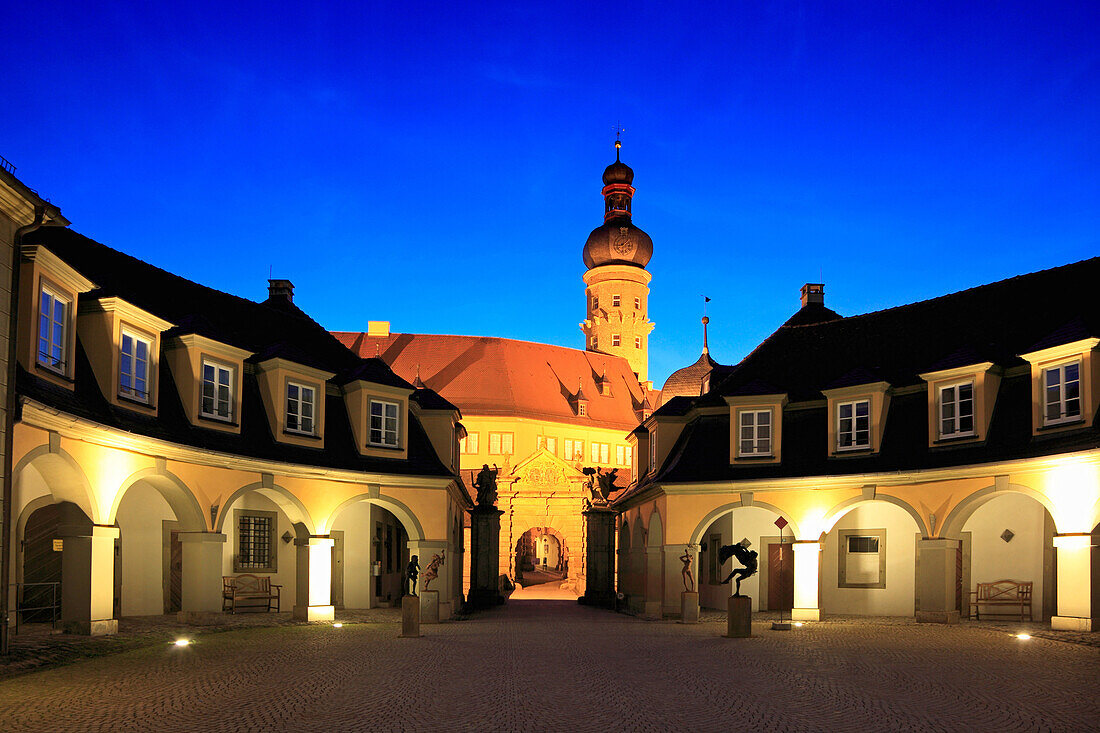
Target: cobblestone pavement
{"points": [[554, 665]]}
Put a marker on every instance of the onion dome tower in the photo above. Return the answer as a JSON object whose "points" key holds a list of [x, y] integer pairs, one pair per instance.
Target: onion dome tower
{"points": [[617, 283]]}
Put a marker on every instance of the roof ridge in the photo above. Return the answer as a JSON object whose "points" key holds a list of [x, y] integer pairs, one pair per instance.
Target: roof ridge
{"points": [[940, 297], [172, 275]]}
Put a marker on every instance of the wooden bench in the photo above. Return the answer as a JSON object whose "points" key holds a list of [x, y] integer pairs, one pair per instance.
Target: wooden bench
{"points": [[1002, 593], [249, 591]]}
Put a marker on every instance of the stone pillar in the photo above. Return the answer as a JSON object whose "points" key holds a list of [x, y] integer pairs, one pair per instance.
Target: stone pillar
{"points": [[485, 557], [1078, 587], [88, 580], [441, 586], [600, 560], [807, 571], [314, 579], [201, 600], [938, 582], [654, 582]]}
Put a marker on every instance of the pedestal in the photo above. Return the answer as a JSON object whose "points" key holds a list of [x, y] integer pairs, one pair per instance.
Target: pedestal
{"points": [[313, 601], [739, 619], [937, 580], [600, 566], [410, 617], [689, 607], [1078, 600], [201, 591], [485, 557], [429, 606]]}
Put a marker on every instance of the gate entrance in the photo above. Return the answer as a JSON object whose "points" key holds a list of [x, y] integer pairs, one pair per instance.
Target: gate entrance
{"points": [[542, 557]]}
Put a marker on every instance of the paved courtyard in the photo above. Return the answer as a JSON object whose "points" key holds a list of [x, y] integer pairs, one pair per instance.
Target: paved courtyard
{"points": [[554, 665]]}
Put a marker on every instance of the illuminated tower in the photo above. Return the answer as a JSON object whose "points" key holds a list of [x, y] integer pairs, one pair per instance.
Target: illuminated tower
{"points": [[617, 283]]}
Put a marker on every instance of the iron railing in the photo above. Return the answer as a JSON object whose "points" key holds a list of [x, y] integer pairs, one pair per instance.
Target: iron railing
{"points": [[7, 165], [40, 593]]}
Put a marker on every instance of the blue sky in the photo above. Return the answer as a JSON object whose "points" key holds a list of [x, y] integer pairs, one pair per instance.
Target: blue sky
{"points": [[439, 167]]}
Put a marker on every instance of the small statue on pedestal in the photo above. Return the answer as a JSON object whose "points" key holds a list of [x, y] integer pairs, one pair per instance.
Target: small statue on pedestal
{"points": [[486, 485], [432, 571], [689, 577], [411, 574], [601, 483], [745, 556]]}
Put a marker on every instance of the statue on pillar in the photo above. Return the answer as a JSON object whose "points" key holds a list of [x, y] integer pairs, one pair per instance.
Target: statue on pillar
{"points": [[486, 485], [432, 571], [745, 556], [689, 577], [411, 574], [601, 483]]}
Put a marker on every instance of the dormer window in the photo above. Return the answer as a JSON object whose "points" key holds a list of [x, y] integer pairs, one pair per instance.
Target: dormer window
{"points": [[957, 410], [133, 367], [853, 425], [217, 391], [1062, 393], [582, 409], [53, 326], [384, 424], [300, 408]]}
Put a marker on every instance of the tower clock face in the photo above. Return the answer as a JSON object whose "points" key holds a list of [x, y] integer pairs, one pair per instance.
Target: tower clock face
{"points": [[623, 243]]}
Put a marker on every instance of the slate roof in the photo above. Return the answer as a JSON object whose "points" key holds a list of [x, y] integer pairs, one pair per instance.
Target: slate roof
{"points": [[267, 330], [497, 376], [998, 321], [995, 322]]}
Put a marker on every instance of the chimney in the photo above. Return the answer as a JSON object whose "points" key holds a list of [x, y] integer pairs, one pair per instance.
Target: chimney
{"points": [[280, 290], [813, 293], [378, 328]]}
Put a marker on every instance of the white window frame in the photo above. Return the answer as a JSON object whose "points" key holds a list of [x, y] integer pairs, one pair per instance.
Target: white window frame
{"points": [[637, 304], [547, 442], [505, 443], [595, 342], [595, 302], [300, 415], [637, 342], [468, 445], [756, 427], [47, 322], [131, 392], [573, 447], [230, 401], [854, 429], [384, 430], [616, 339], [599, 452], [616, 301], [956, 420], [1045, 401]]}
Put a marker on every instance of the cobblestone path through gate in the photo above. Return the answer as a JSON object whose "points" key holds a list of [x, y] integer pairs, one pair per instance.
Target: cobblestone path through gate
{"points": [[554, 665]]}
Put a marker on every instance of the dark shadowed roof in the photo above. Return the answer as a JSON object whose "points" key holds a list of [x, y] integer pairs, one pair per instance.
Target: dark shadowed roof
{"points": [[274, 328], [688, 381], [995, 322]]}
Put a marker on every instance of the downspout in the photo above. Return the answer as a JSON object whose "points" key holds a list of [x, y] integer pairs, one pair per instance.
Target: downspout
{"points": [[40, 211]]}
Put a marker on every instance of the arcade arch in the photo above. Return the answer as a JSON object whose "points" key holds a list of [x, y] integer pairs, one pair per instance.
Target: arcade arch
{"points": [[371, 551]]}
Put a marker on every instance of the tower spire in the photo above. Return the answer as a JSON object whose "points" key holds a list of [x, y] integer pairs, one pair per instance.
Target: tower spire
{"points": [[706, 320]]}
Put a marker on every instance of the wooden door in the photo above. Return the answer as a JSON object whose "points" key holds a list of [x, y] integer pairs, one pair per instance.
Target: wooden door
{"points": [[337, 568], [780, 577], [41, 563], [175, 573], [118, 579]]}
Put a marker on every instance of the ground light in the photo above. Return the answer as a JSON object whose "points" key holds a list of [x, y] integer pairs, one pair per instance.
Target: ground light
{"points": [[798, 624], [182, 642], [1023, 637], [337, 625]]}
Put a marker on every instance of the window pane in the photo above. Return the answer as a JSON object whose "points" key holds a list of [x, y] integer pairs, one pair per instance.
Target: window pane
{"points": [[966, 424], [765, 445], [1073, 372], [763, 418], [746, 446], [863, 408], [845, 411]]}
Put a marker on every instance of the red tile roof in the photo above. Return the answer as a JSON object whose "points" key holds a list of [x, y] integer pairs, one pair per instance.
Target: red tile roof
{"points": [[496, 376]]}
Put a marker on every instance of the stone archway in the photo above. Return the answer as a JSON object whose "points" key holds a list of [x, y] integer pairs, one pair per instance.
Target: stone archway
{"points": [[542, 556]]}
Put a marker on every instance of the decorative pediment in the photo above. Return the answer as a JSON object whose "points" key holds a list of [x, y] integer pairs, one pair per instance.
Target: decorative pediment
{"points": [[544, 469]]}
